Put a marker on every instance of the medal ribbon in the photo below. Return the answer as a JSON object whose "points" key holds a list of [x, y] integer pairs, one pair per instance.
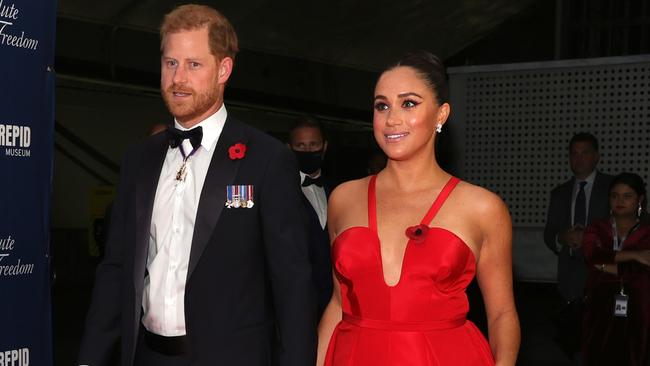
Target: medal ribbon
{"points": [[194, 150]]}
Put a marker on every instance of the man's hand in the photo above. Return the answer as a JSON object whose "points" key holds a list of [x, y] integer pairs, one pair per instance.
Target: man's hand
{"points": [[572, 237]]}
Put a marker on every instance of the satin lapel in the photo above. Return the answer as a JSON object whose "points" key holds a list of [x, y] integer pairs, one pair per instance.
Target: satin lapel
{"points": [[222, 172], [147, 183]]}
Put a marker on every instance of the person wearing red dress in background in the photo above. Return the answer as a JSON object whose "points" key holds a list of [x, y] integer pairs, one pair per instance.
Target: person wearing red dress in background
{"points": [[401, 263], [618, 253]]}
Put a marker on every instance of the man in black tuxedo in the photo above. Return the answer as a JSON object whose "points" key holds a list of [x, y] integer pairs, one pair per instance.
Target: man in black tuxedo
{"points": [[308, 142], [574, 204], [207, 259]]}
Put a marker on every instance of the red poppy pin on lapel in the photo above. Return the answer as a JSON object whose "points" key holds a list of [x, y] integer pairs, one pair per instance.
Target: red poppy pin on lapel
{"points": [[237, 151]]}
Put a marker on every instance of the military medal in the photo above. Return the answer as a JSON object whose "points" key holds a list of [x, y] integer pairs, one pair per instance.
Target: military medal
{"points": [[182, 172], [248, 196], [239, 196], [237, 203], [229, 197]]}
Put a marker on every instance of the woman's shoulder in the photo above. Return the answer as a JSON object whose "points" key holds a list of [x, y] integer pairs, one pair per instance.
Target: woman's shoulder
{"points": [[644, 227], [349, 191], [480, 199], [346, 205]]}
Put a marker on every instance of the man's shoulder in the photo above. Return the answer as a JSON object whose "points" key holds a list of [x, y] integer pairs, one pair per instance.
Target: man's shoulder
{"points": [[604, 177], [256, 137], [140, 148], [563, 187]]}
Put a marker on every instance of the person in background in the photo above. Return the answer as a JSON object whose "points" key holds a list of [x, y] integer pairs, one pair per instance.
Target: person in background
{"points": [[307, 141], [573, 205], [207, 258], [407, 241], [617, 251]]}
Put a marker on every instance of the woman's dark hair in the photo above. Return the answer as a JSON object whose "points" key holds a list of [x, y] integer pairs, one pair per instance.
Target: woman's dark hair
{"points": [[633, 181], [430, 68]]}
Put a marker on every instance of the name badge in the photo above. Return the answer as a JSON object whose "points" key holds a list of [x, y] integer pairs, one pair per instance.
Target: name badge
{"points": [[620, 305]]}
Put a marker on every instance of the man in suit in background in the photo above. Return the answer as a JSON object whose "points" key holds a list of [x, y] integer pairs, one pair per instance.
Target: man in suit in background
{"points": [[308, 142], [573, 205], [207, 258]]}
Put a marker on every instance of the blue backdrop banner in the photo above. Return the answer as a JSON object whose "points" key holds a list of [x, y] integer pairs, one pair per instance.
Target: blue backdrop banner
{"points": [[27, 33]]}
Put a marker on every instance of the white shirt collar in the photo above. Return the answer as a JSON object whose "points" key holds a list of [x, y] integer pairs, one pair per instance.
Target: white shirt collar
{"points": [[590, 179], [212, 127], [303, 175]]}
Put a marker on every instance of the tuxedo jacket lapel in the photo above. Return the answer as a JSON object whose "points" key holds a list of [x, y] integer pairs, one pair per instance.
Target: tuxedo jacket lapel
{"points": [[568, 196], [222, 172], [147, 183]]}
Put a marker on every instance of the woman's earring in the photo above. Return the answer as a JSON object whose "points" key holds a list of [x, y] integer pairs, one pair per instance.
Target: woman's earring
{"points": [[639, 210], [439, 127]]}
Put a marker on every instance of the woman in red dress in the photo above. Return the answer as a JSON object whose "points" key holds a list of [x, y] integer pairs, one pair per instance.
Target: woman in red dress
{"points": [[407, 241], [616, 327]]}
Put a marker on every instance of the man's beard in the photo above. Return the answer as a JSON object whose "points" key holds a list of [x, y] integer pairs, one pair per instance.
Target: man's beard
{"points": [[194, 106]]}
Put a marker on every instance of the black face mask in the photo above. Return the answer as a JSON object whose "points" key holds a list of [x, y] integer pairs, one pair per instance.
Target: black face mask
{"points": [[309, 161]]}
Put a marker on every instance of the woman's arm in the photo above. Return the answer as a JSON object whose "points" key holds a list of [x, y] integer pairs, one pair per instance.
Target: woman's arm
{"points": [[331, 317], [631, 263], [641, 256], [333, 312], [627, 261], [494, 275], [599, 253]]}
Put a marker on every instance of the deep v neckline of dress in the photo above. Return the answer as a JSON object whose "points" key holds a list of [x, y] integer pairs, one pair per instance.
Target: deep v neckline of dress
{"points": [[426, 220]]}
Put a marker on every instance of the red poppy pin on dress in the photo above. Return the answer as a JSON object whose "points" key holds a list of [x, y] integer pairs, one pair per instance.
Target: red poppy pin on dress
{"points": [[417, 233]]}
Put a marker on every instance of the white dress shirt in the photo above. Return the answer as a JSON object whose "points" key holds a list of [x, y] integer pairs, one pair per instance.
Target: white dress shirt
{"points": [[574, 194], [172, 229], [316, 196]]}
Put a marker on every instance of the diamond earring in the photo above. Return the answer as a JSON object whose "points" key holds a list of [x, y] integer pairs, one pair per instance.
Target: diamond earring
{"points": [[439, 127]]}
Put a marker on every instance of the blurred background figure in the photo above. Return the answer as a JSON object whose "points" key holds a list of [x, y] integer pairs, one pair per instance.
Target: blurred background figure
{"points": [[574, 204], [617, 308], [307, 141]]}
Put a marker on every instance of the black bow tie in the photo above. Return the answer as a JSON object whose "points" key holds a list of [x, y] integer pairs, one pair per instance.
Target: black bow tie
{"points": [[175, 136], [309, 181]]}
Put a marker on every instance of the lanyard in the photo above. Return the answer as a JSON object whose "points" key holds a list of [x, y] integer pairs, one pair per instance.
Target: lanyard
{"points": [[618, 245]]}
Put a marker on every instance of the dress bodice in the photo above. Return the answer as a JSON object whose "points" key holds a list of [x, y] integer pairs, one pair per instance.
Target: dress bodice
{"points": [[436, 269], [421, 319]]}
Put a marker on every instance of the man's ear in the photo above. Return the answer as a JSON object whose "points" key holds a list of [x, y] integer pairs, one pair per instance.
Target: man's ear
{"points": [[225, 69]]}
